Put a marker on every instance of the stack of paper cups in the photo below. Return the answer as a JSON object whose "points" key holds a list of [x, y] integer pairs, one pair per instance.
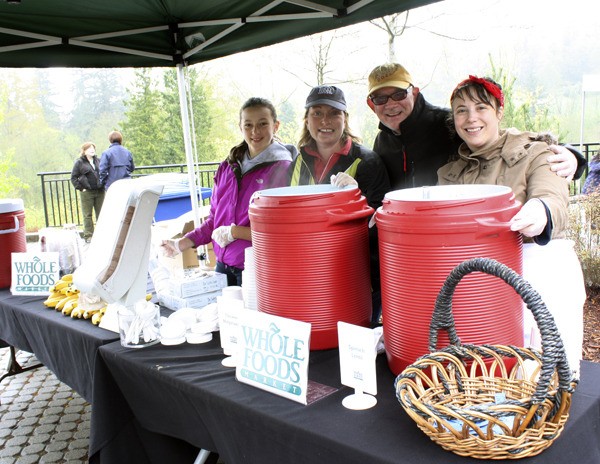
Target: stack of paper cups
{"points": [[233, 292], [249, 280]]}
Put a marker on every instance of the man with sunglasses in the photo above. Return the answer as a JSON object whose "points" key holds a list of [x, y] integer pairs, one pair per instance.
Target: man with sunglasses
{"points": [[414, 138]]}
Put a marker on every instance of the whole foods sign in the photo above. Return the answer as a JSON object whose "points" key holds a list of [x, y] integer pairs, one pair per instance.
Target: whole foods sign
{"points": [[34, 273], [273, 353]]}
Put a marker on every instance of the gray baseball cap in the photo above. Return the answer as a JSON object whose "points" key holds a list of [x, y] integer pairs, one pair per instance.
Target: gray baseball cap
{"points": [[326, 95]]}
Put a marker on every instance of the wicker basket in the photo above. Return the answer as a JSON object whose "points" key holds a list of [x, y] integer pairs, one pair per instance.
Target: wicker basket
{"points": [[464, 397]]}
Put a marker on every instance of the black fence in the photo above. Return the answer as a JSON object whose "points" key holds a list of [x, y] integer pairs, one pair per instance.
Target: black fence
{"points": [[62, 205], [61, 200]]}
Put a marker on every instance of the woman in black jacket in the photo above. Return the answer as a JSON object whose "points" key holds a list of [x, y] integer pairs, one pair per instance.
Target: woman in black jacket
{"points": [[85, 177]]}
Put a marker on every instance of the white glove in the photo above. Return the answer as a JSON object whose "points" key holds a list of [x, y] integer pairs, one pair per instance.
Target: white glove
{"points": [[170, 247], [563, 163], [341, 179], [222, 235], [531, 219]]}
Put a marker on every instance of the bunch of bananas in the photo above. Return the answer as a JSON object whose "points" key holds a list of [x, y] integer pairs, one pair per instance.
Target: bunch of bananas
{"points": [[94, 314], [64, 295]]}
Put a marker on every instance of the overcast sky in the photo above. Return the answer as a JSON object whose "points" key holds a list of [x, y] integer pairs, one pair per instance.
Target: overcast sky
{"points": [[446, 41]]}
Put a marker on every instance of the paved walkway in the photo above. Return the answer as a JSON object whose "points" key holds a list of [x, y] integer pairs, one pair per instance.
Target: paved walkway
{"points": [[42, 420]]}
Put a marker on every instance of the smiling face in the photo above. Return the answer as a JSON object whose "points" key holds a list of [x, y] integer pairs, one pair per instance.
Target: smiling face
{"points": [[393, 112], [326, 125], [477, 123], [258, 128]]}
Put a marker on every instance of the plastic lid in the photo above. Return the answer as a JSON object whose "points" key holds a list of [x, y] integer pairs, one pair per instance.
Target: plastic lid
{"points": [[8, 205]]}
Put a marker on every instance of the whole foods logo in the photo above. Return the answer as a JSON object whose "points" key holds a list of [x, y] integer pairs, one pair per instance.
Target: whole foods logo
{"points": [[34, 273]]}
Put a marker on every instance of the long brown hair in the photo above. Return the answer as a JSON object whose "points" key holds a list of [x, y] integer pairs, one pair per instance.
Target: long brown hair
{"points": [[237, 153]]}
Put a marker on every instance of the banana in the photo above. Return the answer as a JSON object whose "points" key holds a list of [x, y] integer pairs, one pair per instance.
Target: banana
{"points": [[66, 289], [77, 312], [69, 307], [148, 296], [58, 286], [67, 278], [96, 318], [59, 306], [89, 313], [52, 301], [72, 290]]}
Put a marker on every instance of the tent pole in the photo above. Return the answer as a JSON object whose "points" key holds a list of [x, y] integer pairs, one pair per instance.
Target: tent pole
{"points": [[187, 140]]}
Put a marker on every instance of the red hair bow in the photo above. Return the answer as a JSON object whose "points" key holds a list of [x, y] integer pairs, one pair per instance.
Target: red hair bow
{"points": [[492, 88]]}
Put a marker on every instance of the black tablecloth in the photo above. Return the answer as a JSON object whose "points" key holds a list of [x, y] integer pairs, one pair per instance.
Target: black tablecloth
{"points": [[154, 403], [66, 346]]}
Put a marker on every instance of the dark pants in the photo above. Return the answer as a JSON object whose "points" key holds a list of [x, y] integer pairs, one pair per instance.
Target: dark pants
{"points": [[234, 274], [91, 201]]}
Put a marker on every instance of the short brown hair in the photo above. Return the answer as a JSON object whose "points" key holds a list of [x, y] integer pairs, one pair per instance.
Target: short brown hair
{"points": [[115, 137], [87, 145]]}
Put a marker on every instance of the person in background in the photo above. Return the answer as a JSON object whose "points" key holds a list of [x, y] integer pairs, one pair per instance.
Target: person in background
{"points": [[519, 160], [592, 181], [331, 153], [85, 177], [414, 139], [116, 162], [257, 163]]}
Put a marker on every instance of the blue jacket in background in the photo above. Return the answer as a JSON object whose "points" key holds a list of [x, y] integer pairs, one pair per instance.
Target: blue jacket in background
{"points": [[592, 181], [116, 163]]}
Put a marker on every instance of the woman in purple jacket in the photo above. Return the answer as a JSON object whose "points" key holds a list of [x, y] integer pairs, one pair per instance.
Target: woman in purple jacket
{"points": [[259, 162]]}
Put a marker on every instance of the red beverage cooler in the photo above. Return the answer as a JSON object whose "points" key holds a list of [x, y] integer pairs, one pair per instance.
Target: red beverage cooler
{"points": [[12, 236], [311, 253], [423, 234]]}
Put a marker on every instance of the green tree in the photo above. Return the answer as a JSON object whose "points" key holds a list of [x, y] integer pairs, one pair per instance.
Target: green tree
{"points": [[524, 109], [201, 115], [10, 185], [289, 128], [145, 119], [98, 97], [153, 125], [28, 144]]}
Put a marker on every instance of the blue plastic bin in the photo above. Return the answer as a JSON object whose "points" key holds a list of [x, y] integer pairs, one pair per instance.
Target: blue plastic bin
{"points": [[173, 204]]}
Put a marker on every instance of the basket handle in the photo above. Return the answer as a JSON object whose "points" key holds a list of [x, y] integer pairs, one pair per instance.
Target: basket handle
{"points": [[553, 352]]}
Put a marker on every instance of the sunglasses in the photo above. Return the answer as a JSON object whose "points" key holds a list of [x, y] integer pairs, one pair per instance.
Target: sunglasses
{"points": [[396, 96]]}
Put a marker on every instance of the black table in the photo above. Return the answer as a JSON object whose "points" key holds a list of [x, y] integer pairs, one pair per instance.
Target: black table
{"points": [[162, 403], [66, 346]]}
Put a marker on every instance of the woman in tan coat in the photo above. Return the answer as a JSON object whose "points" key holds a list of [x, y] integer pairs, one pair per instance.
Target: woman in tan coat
{"points": [[491, 155]]}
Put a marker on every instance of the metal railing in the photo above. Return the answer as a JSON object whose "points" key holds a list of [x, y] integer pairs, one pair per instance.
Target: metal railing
{"points": [[62, 205], [61, 200]]}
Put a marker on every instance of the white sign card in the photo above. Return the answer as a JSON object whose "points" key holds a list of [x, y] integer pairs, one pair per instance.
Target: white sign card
{"points": [[273, 354], [34, 273], [358, 352], [229, 311]]}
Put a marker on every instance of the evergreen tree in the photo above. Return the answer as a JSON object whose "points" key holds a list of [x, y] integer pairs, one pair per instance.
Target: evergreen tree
{"points": [[98, 105], [145, 121], [152, 122]]}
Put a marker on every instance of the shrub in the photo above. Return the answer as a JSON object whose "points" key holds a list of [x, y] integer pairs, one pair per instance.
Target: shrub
{"points": [[584, 230]]}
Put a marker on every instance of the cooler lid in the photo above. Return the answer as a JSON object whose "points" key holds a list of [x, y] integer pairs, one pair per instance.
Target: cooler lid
{"points": [[9, 205]]}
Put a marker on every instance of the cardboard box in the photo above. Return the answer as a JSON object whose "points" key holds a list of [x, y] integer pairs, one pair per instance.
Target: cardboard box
{"points": [[196, 283], [198, 301], [177, 228]]}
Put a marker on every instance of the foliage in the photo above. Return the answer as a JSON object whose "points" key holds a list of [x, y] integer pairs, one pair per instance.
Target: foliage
{"points": [[28, 144], [98, 107], [289, 123], [152, 122], [523, 109], [9, 183], [584, 230]]}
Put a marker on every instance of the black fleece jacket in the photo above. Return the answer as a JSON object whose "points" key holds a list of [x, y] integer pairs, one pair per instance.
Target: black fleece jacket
{"points": [[425, 143]]}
